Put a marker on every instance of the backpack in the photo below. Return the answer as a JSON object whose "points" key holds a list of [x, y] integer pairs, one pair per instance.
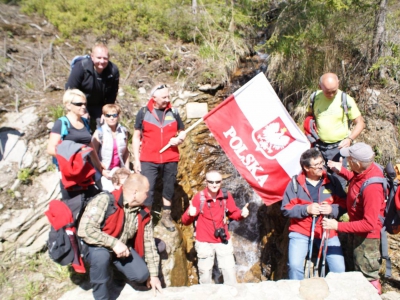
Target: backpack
{"points": [[79, 58], [174, 110], [64, 247], [391, 219], [65, 125]]}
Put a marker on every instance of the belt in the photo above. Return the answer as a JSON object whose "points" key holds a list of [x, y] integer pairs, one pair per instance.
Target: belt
{"points": [[327, 146]]}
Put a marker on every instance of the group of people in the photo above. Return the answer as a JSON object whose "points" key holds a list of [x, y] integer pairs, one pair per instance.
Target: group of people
{"points": [[315, 199], [312, 201]]}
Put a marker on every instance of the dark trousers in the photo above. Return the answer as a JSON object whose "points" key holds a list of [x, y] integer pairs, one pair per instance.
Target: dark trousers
{"points": [[330, 152], [133, 267]]}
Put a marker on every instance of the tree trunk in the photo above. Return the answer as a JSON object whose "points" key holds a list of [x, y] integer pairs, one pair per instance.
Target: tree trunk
{"points": [[379, 32], [194, 6]]}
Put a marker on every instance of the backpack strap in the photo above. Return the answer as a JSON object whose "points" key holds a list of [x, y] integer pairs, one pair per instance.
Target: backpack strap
{"points": [[202, 200], [65, 124], [312, 100], [295, 185], [346, 107]]}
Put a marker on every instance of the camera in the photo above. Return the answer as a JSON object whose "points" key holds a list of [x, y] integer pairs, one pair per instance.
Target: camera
{"points": [[220, 232]]}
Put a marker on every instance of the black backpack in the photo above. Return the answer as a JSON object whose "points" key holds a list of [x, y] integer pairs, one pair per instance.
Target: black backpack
{"points": [[59, 243], [391, 219]]}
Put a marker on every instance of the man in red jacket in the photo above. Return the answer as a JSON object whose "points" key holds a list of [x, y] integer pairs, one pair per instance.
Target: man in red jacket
{"points": [[364, 210], [212, 235], [157, 125]]}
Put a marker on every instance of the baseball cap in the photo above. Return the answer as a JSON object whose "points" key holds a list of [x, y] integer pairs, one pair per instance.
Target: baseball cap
{"points": [[359, 151]]}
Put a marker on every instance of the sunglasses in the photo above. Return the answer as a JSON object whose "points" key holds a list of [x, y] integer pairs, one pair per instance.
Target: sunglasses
{"points": [[160, 87], [214, 182], [78, 103], [111, 115]]}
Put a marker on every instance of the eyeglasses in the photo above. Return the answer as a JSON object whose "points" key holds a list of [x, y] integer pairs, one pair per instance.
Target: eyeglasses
{"points": [[160, 87], [318, 165], [214, 182], [111, 115], [78, 103]]}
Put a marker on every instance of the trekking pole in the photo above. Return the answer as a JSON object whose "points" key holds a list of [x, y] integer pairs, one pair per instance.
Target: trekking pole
{"points": [[324, 256], [321, 246], [308, 268]]}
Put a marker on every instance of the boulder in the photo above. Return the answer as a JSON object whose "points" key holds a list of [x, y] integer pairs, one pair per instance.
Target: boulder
{"points": [[351, 285]]}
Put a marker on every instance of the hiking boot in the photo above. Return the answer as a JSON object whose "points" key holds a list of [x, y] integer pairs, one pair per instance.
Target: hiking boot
{"points": [[166, 220], [377, 285]]}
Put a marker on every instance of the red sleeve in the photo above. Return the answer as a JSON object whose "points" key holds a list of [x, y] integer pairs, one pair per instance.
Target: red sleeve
{"points": [[372, 201], [235, 213], [186, 219], [346, 174]]}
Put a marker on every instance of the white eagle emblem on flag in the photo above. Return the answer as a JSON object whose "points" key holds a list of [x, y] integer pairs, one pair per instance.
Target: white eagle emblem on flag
{"points": [[272, 138]]}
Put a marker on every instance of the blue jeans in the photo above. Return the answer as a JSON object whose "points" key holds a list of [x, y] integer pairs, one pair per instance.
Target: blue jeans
{"points": [[298, 250]]}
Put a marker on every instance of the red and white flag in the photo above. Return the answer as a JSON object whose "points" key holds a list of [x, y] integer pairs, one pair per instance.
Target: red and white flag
{"points": [[259, 137]]}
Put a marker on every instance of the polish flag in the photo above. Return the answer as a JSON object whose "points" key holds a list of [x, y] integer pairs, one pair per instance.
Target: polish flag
{"points": [[259, 137]]}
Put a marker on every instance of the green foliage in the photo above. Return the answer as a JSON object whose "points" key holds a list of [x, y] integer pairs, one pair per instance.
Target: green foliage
{"points": [[56, 111], [222, 28], [25, 175], [311, 37]]}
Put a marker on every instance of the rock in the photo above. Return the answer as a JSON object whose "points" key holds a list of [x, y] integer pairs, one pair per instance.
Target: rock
{"points": [[22, 120], [15, 185], [142, 90], [50, 125], [42, 165], [27, 161], [208, 88], [38, 245], [392, 295], [17, 195], [29, 236], [9, 229], [330, 288], [8, 175], [373, 98]]}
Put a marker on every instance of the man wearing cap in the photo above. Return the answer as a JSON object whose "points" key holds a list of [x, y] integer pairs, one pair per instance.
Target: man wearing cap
{"points": [[364, 210], [157, 125], [332, 119]]}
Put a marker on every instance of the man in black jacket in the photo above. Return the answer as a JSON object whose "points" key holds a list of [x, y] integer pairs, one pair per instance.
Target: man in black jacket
{"points": [[98, 78]]}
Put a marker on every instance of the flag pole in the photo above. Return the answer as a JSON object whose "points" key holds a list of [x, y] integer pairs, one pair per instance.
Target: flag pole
{"points": [[191, 127]]}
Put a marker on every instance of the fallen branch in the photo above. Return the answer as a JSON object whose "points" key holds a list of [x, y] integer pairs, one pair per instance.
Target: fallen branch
{"points": [[129, 71]]}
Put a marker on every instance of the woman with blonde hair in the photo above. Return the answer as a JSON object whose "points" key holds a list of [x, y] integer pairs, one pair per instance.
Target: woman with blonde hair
{"points": [[74, 128]]}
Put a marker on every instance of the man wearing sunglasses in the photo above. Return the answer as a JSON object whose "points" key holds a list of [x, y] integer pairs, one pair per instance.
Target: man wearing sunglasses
{"points": [[308, 198], [97, 78], [158, 124], [209, 210]]}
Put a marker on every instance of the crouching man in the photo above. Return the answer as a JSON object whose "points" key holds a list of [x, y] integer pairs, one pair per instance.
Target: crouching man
{"points": [[209, 207], [306, 201], [109, 234]]}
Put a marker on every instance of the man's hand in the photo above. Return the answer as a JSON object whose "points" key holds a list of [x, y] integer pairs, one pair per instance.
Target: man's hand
{"points": [[121, 250], [175, 141], [192, 209], [313, 209], [136, 166], [335, 166], [345, 143], [154, 283], [329, 224], [245, 211], [325, 208]]}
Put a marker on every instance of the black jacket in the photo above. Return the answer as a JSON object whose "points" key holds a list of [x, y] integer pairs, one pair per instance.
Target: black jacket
{"points": [[99, 89]]}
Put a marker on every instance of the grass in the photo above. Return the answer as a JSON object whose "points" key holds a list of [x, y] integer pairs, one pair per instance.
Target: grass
{"points": [[56, 111], [25, 175]]}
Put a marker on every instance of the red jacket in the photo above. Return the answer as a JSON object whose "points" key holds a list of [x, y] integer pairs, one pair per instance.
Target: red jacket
{"points": [[156, 134], [294, 205], [364, 215], [73, 163], [205, 227]]}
